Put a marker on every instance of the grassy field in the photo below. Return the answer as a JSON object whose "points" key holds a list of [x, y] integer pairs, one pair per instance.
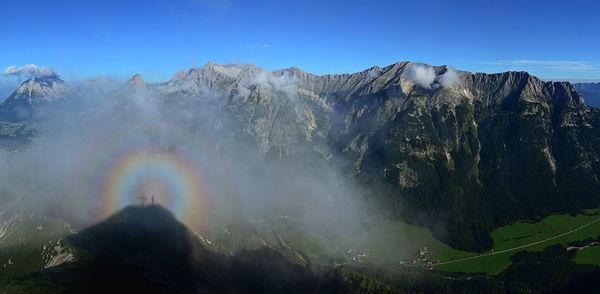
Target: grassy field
{"points": [[541, 234], [590, 255], [397, 242]]}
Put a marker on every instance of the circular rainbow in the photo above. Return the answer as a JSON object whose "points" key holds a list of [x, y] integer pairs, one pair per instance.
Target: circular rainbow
{"points": [[145, 176]]}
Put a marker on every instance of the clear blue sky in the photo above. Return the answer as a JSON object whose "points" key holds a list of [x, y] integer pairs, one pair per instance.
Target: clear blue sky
{"points": [[82, 39]]}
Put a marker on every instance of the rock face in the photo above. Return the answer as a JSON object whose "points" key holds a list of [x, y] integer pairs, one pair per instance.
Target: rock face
{"points": [[469, 151], [459, 152], [33, 96], [246, 103], [481, 151], [591, 93]]}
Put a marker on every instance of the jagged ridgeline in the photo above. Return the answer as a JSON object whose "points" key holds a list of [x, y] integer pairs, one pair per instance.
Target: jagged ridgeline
{"points": [[461, 153]]}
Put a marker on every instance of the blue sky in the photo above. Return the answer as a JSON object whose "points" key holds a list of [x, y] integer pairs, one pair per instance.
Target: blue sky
{"points": [[83, 39]]}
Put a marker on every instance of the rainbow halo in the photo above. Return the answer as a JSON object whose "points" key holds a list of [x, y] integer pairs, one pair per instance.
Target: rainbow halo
{"points": [[144, 176]]}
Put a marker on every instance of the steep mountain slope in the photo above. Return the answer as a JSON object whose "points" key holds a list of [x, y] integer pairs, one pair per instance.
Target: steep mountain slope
{"points": [[30, 242], [591, 93], [483, 151], [248, 104]]}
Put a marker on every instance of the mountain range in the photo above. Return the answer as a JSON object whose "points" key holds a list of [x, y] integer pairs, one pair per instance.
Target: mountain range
{"points": [[461, 153], [591, 92]]}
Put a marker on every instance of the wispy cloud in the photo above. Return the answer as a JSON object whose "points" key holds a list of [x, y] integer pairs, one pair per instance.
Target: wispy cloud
{"points": [[548, 65], [257, 46]]}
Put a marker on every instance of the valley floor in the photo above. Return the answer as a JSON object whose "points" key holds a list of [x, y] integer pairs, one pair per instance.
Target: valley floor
{"points": [[398, 244]]}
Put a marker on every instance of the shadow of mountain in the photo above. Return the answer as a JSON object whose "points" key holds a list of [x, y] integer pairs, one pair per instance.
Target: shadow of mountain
{"points": [[146, 250]]}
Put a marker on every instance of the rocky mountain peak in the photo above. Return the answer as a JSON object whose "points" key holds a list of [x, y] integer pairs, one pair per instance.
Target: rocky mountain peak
{"points": [[227, 70], [34, 93], [137, 82], [180, 74], [40, 89]]}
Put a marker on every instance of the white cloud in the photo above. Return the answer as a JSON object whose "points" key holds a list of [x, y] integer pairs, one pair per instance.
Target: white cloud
{"points": [[421, 74], [424, 75], [449, 78], [30, 71], [373, 73]]}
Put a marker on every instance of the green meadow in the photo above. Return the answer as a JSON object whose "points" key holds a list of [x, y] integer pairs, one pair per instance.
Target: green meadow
{"points": [[590, 255], [396, 243], [530, 236]]}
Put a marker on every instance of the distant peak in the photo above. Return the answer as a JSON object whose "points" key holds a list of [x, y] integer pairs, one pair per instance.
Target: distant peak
{"points": [[137, 81], [227, 70], [211, 65], [292, 70], [181, 74], [137, 77]]}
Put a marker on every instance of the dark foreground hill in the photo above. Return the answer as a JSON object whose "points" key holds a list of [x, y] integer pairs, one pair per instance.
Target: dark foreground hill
{"points": [[146, 250]]}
